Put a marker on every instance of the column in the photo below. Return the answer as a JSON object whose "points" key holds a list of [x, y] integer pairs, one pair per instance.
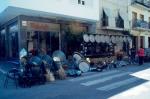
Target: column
{"points": [[145, 42], [138, 42]]}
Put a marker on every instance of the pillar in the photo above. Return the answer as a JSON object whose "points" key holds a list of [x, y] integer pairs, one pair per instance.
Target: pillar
{"points": [[146, 42], [138, 42]]}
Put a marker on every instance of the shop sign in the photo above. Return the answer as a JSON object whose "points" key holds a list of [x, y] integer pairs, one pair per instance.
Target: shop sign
{"points": [[24, 23], [38, 26]]}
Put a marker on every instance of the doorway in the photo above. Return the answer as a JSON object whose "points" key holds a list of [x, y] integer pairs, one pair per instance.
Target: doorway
{"points": [[148, 42]]}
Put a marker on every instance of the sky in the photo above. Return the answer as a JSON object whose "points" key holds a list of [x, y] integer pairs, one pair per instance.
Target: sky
{"points": [[3, 4]]}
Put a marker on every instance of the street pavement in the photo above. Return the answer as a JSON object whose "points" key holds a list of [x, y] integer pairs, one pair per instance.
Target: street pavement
{"points": [[129, 82]]}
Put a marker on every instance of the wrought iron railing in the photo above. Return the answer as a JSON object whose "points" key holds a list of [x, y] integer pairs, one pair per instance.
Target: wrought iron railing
{"points": [[142, 2], [140, 24]]}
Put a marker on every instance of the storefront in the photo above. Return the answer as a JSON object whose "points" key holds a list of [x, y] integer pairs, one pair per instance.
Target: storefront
{"points": [[39, 33]]}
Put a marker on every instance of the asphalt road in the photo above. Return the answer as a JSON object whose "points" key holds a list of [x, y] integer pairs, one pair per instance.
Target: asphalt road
{"points": [[113, 84]]}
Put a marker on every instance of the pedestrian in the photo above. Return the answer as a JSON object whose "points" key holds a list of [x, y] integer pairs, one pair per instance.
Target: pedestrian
{"points": [[132, 54], [141, 55]]}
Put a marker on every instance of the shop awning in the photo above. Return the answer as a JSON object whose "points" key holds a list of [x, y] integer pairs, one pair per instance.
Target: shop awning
{"points": [[12, 12], [123, 15]]}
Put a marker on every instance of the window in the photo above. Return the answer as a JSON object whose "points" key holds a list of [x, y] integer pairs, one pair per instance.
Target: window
{"points": [[82, 2], [79, 1], [13, 40], [104, 19], [142, 17], [134, 15], [119, 21]]}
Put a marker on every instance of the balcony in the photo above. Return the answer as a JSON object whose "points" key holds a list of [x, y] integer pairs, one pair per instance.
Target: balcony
{"points": [[142, 25], [142, 3]]}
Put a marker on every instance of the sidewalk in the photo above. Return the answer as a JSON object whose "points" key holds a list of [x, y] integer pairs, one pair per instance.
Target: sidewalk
{"points": [[5, 66]]}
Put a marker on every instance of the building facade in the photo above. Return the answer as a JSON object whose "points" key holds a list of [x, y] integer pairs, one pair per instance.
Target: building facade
{"points": [[114, 24], [45, 24], [139, 17]]}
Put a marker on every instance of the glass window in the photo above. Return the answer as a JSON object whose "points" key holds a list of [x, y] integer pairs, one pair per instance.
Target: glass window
{"points": [[2, 43], [83, 2], [134, 15], [79, 1], [37, 40], [14, 46], [142, 17]]}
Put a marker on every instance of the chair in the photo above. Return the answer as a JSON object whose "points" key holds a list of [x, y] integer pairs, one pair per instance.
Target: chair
{"points": [[13, 74]]}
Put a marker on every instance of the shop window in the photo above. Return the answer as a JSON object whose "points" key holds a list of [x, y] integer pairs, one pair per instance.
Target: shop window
{"points": [[14, 43], [149, 23], [36, 40], [3, 43]]}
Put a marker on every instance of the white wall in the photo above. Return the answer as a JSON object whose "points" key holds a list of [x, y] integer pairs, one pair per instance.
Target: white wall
{"points": [[65, 7], [139, 11]]}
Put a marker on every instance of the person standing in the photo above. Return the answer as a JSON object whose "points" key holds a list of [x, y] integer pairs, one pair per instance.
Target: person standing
{"points": [[132, 54], [141, 55]]}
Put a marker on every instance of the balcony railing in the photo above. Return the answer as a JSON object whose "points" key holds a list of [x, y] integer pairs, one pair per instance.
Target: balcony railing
{"points": [[140, 24], [142, 2]]}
